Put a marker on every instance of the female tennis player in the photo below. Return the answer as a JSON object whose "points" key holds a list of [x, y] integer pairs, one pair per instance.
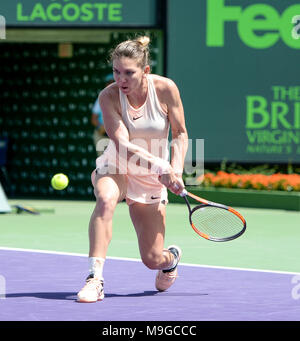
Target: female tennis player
{"points": [[138, 110]]}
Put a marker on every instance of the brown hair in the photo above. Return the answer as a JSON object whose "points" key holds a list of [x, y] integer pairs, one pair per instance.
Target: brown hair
{"points": [[137, 49]]}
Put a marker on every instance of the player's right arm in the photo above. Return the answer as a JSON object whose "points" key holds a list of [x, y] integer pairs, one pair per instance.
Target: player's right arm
{"points": [[113, 123], [118, 133]]}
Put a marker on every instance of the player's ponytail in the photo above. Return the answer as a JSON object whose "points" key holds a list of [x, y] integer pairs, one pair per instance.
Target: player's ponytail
{"points": [[144, 41]]}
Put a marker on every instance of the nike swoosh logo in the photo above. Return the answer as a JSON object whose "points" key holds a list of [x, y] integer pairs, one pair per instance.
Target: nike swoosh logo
{"points": [[136, 118], [153, 197]]}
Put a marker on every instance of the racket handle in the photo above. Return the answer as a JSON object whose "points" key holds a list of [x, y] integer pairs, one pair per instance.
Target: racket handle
{"points": [[184, 193]]}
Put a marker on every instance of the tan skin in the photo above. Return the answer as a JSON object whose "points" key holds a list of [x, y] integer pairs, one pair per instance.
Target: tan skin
{"points": [[148, 219]]}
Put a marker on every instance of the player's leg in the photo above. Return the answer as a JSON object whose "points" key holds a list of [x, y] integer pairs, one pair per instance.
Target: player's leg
{"points": [[109, 190], [149, 222]]}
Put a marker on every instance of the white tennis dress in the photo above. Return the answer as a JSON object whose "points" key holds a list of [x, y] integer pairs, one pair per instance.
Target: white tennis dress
{"points": [[148, 127]]}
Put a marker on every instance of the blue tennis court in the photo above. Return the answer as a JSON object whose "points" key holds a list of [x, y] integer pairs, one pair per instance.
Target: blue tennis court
{"points": [[42, 286]]}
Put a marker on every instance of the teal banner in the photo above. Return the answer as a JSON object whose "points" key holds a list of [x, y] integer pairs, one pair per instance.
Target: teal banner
{"points": [[236, 63], [90, 13]]}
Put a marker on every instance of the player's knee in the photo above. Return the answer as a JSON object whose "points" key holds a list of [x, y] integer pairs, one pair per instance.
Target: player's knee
{"points": [[106, 204]]}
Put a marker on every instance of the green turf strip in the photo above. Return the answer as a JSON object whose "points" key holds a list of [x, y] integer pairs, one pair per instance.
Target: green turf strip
{"points": [[271, 241]]}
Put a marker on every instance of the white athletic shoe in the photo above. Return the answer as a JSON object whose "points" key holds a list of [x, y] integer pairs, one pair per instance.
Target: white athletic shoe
{"points": [[92, 291], [165, 278]]}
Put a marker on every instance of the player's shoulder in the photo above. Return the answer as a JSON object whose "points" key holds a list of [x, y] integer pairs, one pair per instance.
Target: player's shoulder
{"points": [[165, 87], [163, 82], [111, 92]]}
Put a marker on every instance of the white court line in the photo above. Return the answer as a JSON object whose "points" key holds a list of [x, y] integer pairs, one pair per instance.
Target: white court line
{"points": [[138, 260]]}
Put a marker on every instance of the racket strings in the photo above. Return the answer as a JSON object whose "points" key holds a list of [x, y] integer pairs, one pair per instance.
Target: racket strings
{"points": [[216, 222]]}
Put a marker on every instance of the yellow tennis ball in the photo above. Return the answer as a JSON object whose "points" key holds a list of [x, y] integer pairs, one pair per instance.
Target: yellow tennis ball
{"points": [[59, 181]]}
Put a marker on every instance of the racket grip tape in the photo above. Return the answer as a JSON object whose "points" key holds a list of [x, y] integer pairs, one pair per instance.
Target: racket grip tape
{"points": [[184, 193]]}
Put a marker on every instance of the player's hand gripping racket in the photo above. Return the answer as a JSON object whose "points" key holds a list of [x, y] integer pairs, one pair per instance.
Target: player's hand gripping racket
{"points": [[214, 221]]}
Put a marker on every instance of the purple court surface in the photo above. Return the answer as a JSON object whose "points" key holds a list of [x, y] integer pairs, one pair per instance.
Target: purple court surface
{"points": [[43, 286]]}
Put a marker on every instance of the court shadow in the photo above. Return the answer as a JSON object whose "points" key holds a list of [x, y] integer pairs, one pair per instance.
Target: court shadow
{"points": [[157, 293], [138, 294], [46, 295], [72, 296]]}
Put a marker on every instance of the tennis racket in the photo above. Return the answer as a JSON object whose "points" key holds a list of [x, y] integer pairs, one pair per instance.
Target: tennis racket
{"points": [[213, 221]]}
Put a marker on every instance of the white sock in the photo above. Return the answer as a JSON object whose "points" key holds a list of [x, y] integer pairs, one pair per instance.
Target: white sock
{"points": [[173, 263], [96, 265]]}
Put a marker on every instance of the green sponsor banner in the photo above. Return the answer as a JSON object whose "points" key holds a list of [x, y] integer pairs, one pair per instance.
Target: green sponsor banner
{"points": [[79, 13], [236, 63], [273, 122]]}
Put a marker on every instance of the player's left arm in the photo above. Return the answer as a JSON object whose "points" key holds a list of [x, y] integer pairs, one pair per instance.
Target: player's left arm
{"points": [[179, 144]]}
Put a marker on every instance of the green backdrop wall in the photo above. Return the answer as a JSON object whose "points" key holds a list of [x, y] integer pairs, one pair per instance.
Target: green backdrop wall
{"points": [[80, 13], [236, 63]]}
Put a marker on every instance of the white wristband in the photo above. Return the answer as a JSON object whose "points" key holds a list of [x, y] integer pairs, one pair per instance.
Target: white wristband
{"points": [[161, 167]]}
